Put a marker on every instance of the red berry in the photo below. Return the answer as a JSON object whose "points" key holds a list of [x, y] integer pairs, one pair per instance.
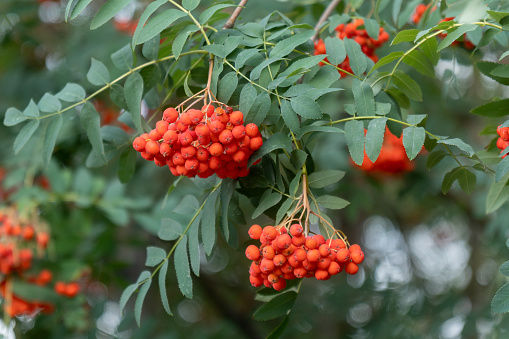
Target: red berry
{"points": [[251, 130], [255, 232], [252, 252], [351, 268], [139, 144], [296, 230]]}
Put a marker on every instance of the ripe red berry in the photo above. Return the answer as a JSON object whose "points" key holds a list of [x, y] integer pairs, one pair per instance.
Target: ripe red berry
{"points": [[225, 137], [300, 254], [357, 256], [313, 255], [268, 252], [284, 241], [185, 119], [296, 230], [279, 260], [255, 143], [216, 149], [170, 115], [252, 252], [237, 118], [152, 147], [280, 285], [269, 233], [139, 144], [195, 115], [255, 232], [354, 247], [311, 242], [162, 127], [251, 130], [343, 255], [170, 137], [351, 268]]}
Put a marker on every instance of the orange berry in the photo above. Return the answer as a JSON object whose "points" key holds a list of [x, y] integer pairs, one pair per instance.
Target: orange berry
{"points": [[300, 254], [357, 256], [343, 255], [185, 119], [255, 143], [311, 242], [268, 252], [279, 260], [324, 250], [269, 233], [72, 289], [296, 230], [351, 268], [216, 149], [284, 241], [152, 147], [273, 278], [225, 137], [334, 268], [354, 247], [256, 281], [60, 287], [267, 266], [170, 115], [299, 240], [337, 244], [252, 252], [251, 130], [322, 275], [237, 118], [139, 144], [162, 127], [323, 263], [300, 272], [313, 255], [255, 232], [28, 233], [280, 284]]}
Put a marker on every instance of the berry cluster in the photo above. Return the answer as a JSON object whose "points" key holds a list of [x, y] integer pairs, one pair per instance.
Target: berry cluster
{"points": [[503, 141], [285, 255], [353, 31], [392, 158], [20, 240], [201, 142]]}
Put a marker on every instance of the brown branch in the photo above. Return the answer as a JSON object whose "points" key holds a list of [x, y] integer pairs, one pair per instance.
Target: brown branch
{"points": [[324, 17], [231, 21]]}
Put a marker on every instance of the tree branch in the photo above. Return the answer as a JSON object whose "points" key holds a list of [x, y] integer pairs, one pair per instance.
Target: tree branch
{"points": [[231, 21], [324, 17]]}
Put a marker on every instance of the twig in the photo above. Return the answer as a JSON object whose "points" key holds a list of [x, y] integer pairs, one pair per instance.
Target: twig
{"points": [[231, 21], [324, 17]]}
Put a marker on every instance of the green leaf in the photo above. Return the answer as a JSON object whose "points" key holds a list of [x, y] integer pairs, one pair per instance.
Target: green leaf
{"points": [[157, 24], [294, 184], [108, 11], [138, 305], [413, 140], [322, 129], [126, 165], [497, 195], [79, 7], [487, 68], [279, 330], [375, 138], [498, 15], [13, 116], [467, 180], [277, 307], [123, 58], [267, 200], [227, 86], [372, 28], [49, 103], [194, 246], [25, 134], [325, 77], [244, 56], [502, 169], [306, 107], [133, 92], [495, 109], [283, 209], [382, 108], [91, 122], [357, 58], [290, 117], [418, 120], [71, 93], [504, 268], [449, 179], [98, 73], [181, 39], [506, 53], [434, 158], [405, 35], [50, 139], [324, 178], [429, 48], [31, 111], [364, 98], [256, 72], [286, 46], [151, 8], [387, 60], [182, 269], [190, 4], [354, 134], [209, 12], [170, 230], [500, 302], [331, 202], [501, 71], [276, 141], [247, 97], [124, 298], [259, 110], [454, 35], [155, 255], [336, 51], [227, 188], [458, 143], [208, 223], [298, 158], [396, 8], [162, 287], [420, 62], [407, 85]]}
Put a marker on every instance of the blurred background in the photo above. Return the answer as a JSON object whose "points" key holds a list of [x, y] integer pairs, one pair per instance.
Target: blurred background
{"points": [[432, 260]]}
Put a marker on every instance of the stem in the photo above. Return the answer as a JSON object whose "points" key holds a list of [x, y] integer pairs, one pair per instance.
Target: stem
{"points": [[231, 21], [180, 238], [307, 208], [325, 15], [196, 22], [108, 85]]}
